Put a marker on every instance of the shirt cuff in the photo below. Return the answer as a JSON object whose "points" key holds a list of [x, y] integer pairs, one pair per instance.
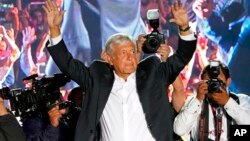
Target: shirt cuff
{"points": [[194, 106], [231, 104], [189, 37], [54, 41]]}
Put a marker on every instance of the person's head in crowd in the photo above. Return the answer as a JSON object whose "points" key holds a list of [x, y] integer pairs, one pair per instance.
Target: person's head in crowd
{"points": [[77, 95], [121, 54], [223, 73], [215, 80], [38, 19], [37, 16]]}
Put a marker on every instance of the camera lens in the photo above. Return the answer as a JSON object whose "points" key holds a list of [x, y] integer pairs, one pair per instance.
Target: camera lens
{"points": [[214, 85], [153, 42]]}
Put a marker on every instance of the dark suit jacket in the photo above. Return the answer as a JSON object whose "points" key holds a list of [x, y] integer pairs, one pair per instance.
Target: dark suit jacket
{"points": [[151, 79], [10, 130]]}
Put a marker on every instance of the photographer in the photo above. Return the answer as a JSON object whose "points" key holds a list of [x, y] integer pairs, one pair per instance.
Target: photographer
{"points": [[9, 127], [214, 108], [48, 125]]}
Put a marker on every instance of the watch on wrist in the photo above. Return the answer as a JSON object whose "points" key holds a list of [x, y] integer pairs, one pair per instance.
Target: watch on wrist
{"points": [[185, 29]]}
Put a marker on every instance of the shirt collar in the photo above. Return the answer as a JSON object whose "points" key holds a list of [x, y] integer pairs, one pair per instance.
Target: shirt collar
{"points": [[131, 76]]}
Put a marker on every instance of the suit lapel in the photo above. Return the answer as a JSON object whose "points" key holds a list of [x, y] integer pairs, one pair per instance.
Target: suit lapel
{"points": [[105, 89]]}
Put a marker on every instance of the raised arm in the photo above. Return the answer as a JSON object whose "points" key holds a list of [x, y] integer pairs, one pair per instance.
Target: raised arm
{"points": [[26, 61], [14, 50], [11, 50], [186, 48], [54, 18], [178, 95], [75, 69]]}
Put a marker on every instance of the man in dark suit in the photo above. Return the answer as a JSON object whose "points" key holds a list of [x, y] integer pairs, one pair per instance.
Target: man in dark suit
{"points": [[125, 100]]}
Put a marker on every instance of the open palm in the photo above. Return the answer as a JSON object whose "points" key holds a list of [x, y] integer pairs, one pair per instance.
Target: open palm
{"points": [[54, 15], [180, 16]]}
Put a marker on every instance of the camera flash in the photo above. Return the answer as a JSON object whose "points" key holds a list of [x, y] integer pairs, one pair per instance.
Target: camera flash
{"points": [[214, 63], [153, 14]]}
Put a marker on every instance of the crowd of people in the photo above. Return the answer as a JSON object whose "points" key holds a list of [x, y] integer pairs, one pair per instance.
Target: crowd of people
{"points": [[118, 91]]}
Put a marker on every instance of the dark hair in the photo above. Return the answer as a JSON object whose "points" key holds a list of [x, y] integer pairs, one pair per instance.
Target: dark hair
{"points": [[223, 68]]}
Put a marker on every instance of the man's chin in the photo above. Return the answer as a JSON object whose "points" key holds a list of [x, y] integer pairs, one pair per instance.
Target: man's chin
{"points": [[129, 71]]}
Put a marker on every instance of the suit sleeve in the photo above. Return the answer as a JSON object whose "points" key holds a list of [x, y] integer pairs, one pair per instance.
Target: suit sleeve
{"points": [[174, 64], [73, 68]]}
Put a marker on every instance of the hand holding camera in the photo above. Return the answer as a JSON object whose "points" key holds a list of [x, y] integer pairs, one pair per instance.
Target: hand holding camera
{"points": [[55, 114], [202, 90], [219, 98]]}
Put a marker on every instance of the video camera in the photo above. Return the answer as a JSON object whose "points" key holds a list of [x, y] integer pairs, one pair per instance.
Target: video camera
{"points": [[38, 99], [214, 83], [155, 38]]}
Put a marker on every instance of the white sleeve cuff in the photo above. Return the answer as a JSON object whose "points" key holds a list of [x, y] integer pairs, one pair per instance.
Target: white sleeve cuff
{"points": [[54, 41], [189, 37], [194, 106], [231, 104]]}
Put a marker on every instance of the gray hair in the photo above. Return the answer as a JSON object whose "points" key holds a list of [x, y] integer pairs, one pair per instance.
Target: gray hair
{"points": [[117, 39]]}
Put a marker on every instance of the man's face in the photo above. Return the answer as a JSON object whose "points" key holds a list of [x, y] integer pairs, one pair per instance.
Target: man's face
{"points": [[38, 17], [123, 58], [221, 77]]}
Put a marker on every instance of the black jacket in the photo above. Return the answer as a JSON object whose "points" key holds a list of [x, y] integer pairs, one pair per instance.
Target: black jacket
{"points": [[10, 129]]}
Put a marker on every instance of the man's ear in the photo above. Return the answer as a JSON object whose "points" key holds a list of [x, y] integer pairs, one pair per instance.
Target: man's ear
{"points": [[109, 59], [228, 82]]}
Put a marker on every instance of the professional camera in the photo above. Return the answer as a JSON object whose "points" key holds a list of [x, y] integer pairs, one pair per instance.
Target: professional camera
{"points": [[214, 84], [155, 38], [38, 99]]}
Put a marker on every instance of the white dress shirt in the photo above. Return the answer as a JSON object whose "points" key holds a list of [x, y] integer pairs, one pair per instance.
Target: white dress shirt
{"points": [[123, 118], [188, 119]]}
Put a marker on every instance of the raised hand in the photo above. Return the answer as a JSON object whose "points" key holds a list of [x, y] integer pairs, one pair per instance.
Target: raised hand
{"points": [[54, 17], [11, 34], [180, 16], [28, 36], [3, 32], [203, 8]]}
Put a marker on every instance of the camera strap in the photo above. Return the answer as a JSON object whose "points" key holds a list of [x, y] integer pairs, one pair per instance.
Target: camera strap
{"points": [[217, 122]]}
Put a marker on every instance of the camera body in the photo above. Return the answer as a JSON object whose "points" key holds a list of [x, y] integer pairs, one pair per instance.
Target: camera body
{"points": [[155, 38], [214, 84]]}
